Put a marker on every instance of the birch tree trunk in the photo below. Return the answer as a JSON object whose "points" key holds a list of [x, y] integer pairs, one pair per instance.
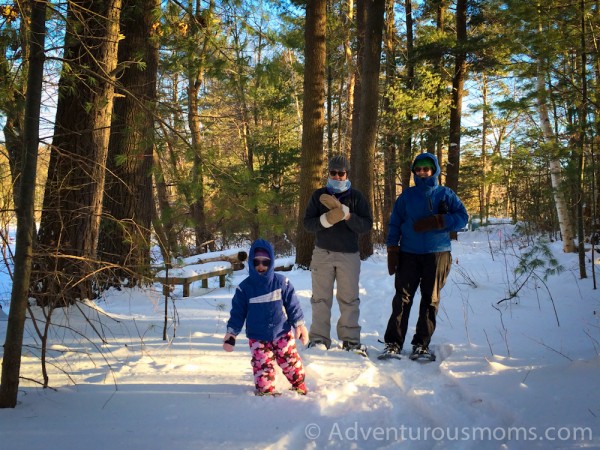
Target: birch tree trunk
{"points": [[564, 220], [484, 156]]}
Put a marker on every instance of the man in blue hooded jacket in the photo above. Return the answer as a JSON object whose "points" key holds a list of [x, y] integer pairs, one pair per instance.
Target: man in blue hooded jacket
{"points": [[418, 245]]}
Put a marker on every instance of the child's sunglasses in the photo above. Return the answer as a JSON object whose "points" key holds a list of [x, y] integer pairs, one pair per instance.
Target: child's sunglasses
{"points": [[261, 262]]}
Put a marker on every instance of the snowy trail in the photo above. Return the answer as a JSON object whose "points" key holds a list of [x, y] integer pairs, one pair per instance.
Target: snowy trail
{"points": [[499, 368], [417, 402]]}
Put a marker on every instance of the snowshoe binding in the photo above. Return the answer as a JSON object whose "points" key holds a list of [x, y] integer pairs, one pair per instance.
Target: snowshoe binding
{"points": [[355, 347], [391, 351], [421, 353]]}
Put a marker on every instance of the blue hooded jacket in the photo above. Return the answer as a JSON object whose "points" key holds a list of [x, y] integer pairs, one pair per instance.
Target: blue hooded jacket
{"points": [[424, 199], [267, 302]]}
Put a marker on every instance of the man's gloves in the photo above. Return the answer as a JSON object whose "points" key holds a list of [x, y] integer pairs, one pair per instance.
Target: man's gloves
{"points": [[334, 215], [393, 253], [330, 201], [337, 211], [435, 222]]}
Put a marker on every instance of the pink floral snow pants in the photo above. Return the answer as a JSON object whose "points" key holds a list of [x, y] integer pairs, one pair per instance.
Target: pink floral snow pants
{"points": [[283, 350]]}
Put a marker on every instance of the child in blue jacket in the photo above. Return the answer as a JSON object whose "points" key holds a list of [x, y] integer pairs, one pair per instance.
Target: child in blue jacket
{"points": [[267, 303]]}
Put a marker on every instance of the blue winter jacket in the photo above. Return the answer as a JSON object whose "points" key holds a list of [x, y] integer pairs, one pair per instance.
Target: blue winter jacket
{"points": [[267, 303], [424, 199]]}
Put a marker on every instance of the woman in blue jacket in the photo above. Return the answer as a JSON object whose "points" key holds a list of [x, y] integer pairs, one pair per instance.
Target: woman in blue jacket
{"points": [[418, 245], [267, 303]]}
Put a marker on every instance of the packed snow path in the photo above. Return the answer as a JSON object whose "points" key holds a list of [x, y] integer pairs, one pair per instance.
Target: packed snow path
{"points": [[519, 374]]}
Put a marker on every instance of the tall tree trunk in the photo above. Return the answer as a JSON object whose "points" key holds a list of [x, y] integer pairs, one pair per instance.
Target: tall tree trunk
{"points": [[16, 91], [363, 173], [313, 120], [407, 151], [390, 165], [128, 204], [163, 221], [351, 79], [361, 24], [583, 111], [458, 83], [484, 156], [564, 220], [246, 130], [68, 235], [329, 52], [437, 129], [196, 68], [13, 344]]}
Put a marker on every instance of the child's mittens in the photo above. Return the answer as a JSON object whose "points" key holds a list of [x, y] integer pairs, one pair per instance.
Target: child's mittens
{"points": [[302, 334], [229, 342]]}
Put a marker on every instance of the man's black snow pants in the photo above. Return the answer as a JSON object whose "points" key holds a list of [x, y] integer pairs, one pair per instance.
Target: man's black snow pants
{"points": [[430, 272]]}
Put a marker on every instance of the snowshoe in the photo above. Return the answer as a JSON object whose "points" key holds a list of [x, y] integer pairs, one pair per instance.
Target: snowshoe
{"points": [[391, 351], [355, 347], [421, 353]]}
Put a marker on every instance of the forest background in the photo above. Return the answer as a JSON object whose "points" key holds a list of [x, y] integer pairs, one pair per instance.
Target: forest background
{"points": [[201, 125]]}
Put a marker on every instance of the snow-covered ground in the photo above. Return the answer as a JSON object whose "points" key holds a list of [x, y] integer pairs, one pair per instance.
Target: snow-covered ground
{"points": [[520, 374]]}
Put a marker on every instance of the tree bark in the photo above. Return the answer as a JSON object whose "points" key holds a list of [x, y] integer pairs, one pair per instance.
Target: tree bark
{"points": [[458, 83], [583, 111], [313, 121], [484, 156], [361, 24], [437, 132], [70, 225], [350, 74], [363, 173], [14, 103], [390, 165], [406, 155], [11, 361], [564, 220], [196, 68], [127, 216]]}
